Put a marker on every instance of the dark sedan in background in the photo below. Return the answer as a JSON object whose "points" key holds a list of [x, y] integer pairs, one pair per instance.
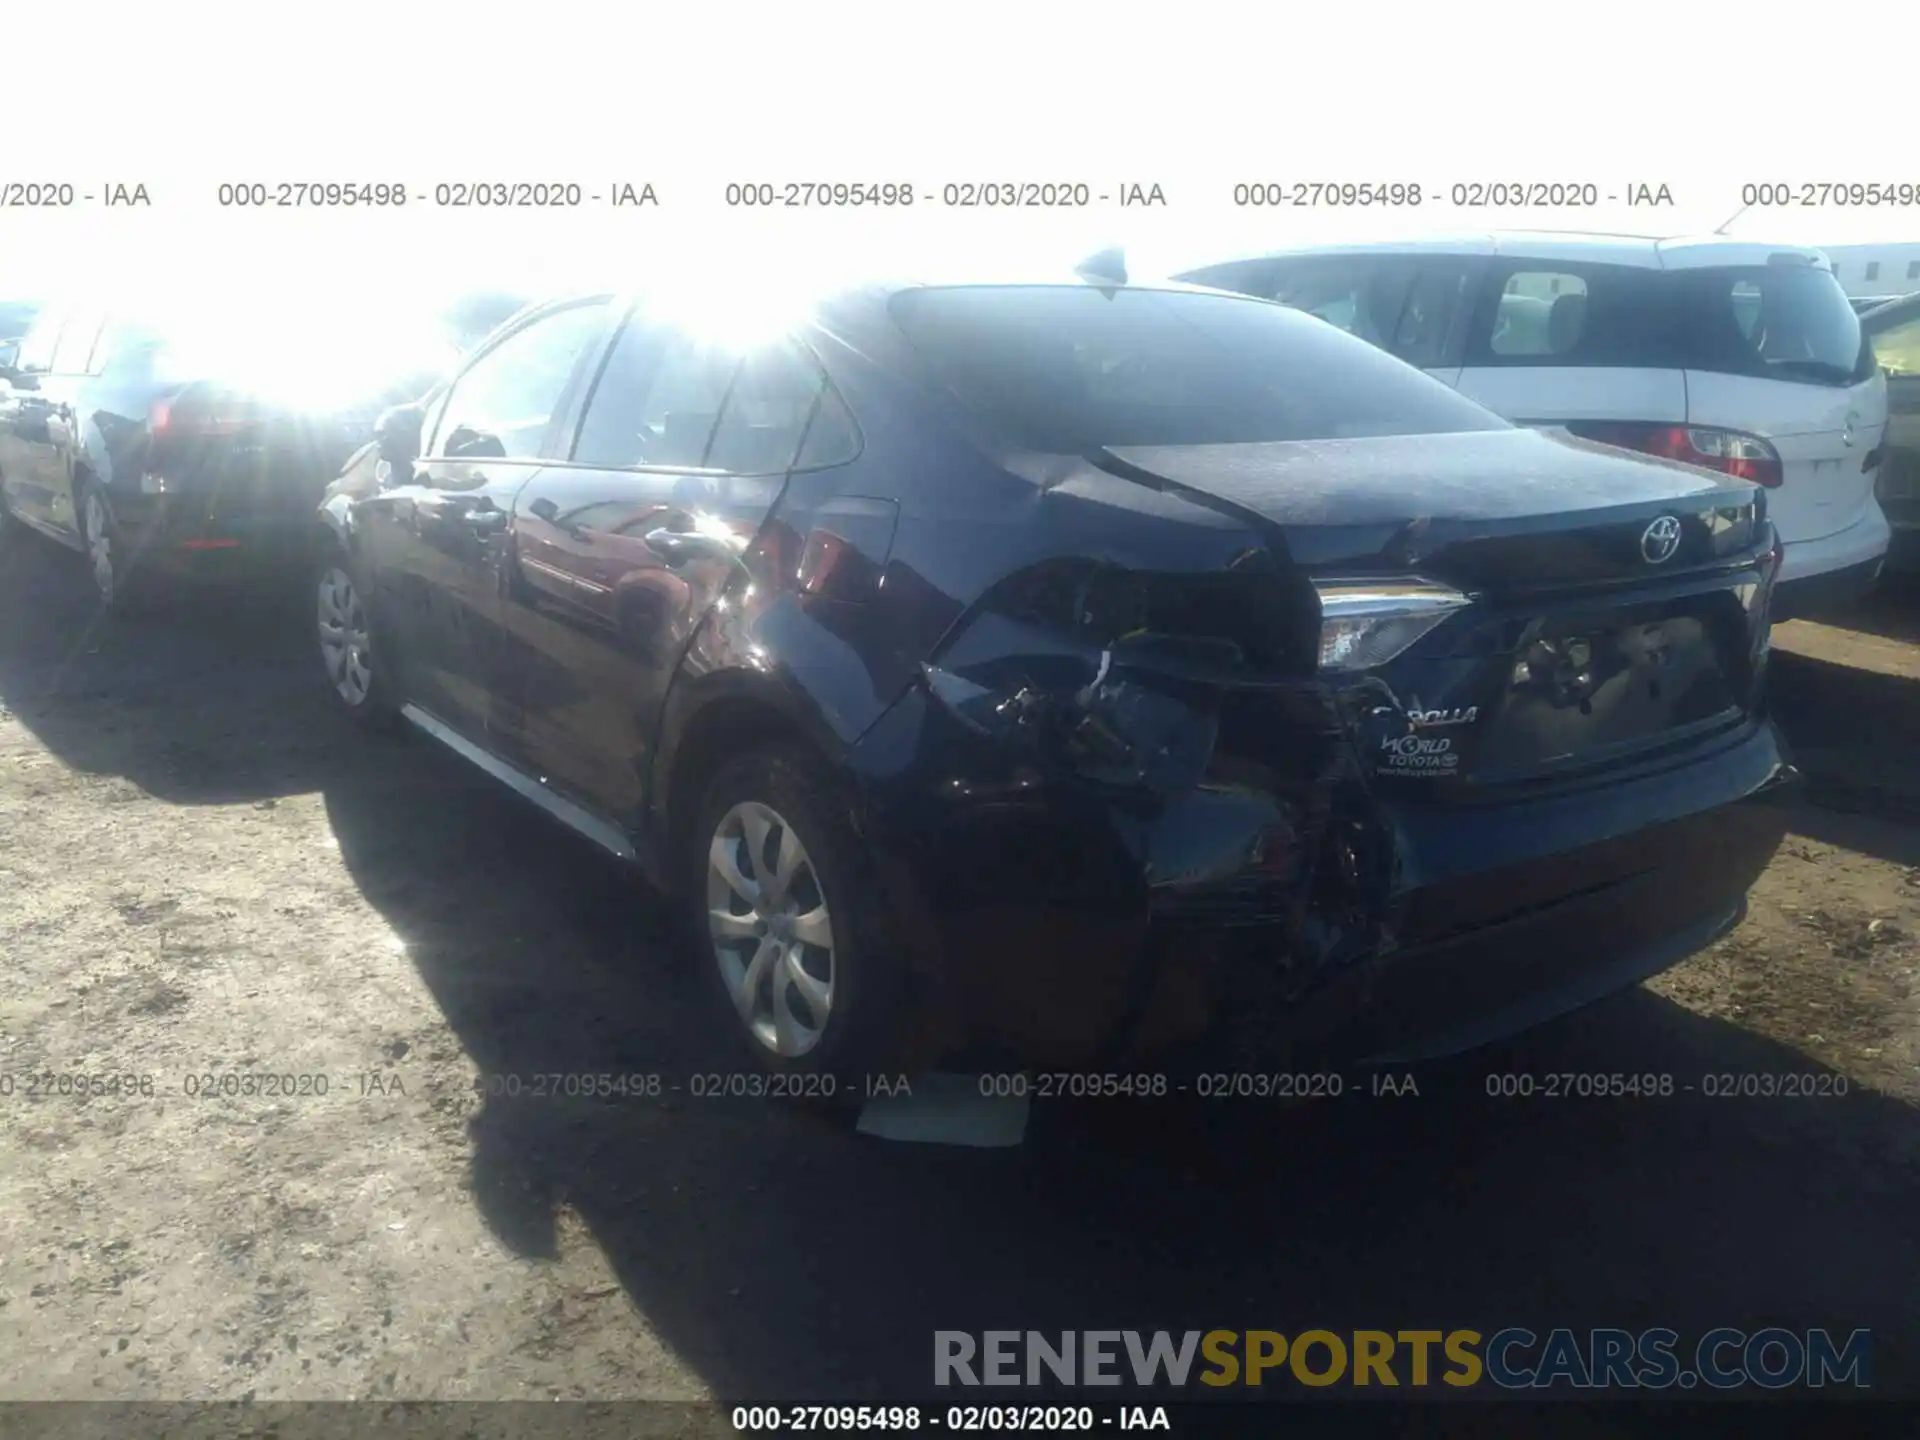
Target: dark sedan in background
{"points": [[195, 439], [1064, 671]]}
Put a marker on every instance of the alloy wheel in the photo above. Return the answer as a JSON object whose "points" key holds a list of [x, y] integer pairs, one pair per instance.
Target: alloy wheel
{"points": [[343, 637], [771, 930], [100, 546]]}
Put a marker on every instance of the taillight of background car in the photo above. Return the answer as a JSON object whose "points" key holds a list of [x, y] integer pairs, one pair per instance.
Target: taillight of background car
{"points": [[1745, 457], [199, 415]]}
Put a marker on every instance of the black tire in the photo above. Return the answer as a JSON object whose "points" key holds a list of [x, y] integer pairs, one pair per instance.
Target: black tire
{"points": [[106, 553], [865, 1030], [10, 528], [336, 593]]}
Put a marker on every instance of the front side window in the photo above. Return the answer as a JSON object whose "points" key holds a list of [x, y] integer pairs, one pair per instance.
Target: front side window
{"points": [[1070, 370], [77, 340], [502, 407], [36, 350]]}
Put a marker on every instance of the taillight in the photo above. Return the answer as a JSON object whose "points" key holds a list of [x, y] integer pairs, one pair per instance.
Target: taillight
{"points": [[1365, 623], [1745, 457], [183, 415]]}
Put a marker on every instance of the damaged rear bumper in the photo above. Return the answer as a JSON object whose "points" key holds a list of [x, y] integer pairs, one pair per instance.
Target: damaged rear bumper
{"points": [[1286, 910]]}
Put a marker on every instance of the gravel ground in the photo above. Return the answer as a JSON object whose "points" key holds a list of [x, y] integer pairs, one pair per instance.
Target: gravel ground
{"points": [[203, 873]]}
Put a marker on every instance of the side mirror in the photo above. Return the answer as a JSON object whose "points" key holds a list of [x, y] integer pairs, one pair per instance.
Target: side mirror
{"points": [[467, 443], [397, 432]]}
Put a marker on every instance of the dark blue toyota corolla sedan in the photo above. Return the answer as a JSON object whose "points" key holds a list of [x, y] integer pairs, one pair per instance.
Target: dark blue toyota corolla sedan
{"points": [[1073, 671]]}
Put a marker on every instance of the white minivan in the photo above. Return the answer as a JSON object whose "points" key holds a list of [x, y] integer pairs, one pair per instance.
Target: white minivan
{"points": [[1740, 357]]}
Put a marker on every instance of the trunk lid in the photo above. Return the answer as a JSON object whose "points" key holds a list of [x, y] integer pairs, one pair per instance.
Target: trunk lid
{"points": [[228, 455], [1490, 511], [1619, 602], [1823, 434]]}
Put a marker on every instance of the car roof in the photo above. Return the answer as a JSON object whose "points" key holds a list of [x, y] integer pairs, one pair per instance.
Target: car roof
{"points": [[851, 305], [1653, 252]]}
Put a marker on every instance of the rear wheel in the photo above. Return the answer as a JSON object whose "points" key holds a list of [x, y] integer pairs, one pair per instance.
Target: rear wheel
{"points": [[783, 914], [106, 550], [347, 654]]}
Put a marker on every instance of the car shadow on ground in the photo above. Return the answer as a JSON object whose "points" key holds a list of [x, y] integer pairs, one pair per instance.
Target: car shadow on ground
{"points": [[1891, 610], [781, 1254], [1856, 734], [202, 696]]}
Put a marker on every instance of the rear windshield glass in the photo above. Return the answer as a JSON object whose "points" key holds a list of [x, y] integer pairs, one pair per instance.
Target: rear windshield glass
{"points": [[1791, 322], [1071, 369]]}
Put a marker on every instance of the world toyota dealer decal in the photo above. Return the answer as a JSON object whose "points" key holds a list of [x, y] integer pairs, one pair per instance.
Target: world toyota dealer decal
{"points": [[1419, 752]]}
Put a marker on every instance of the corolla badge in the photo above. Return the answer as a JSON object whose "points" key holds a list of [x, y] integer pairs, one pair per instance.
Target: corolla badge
{"points": [[1430, 719], [1853, 424], [1660, 539]]}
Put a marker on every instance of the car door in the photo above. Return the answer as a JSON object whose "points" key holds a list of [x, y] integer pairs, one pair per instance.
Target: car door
{"points": [[1553, 341], [1896, 345], [435, 535], [681, 454], [26, 464]]}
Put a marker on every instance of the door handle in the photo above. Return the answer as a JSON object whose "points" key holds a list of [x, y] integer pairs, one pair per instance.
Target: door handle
{"points": [[678, 547], [486, 522]]}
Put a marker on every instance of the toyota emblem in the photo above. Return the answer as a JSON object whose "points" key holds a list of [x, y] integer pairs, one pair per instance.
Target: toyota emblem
{"points": [[1660, 539]]}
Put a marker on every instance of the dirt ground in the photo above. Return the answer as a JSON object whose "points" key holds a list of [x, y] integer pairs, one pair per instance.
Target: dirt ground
{"points": [[202, 873]]}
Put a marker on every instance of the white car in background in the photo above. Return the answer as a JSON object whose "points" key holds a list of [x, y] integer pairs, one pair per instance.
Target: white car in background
{"points": [[1740, 357]]}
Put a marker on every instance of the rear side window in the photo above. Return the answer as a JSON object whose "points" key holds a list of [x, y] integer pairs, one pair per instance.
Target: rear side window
{"points": [[1405, 304], [1548, 314], [1540, 312], [766, 415], [665, 400], [1070, 369], [832, 437], [1362, 296]]}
